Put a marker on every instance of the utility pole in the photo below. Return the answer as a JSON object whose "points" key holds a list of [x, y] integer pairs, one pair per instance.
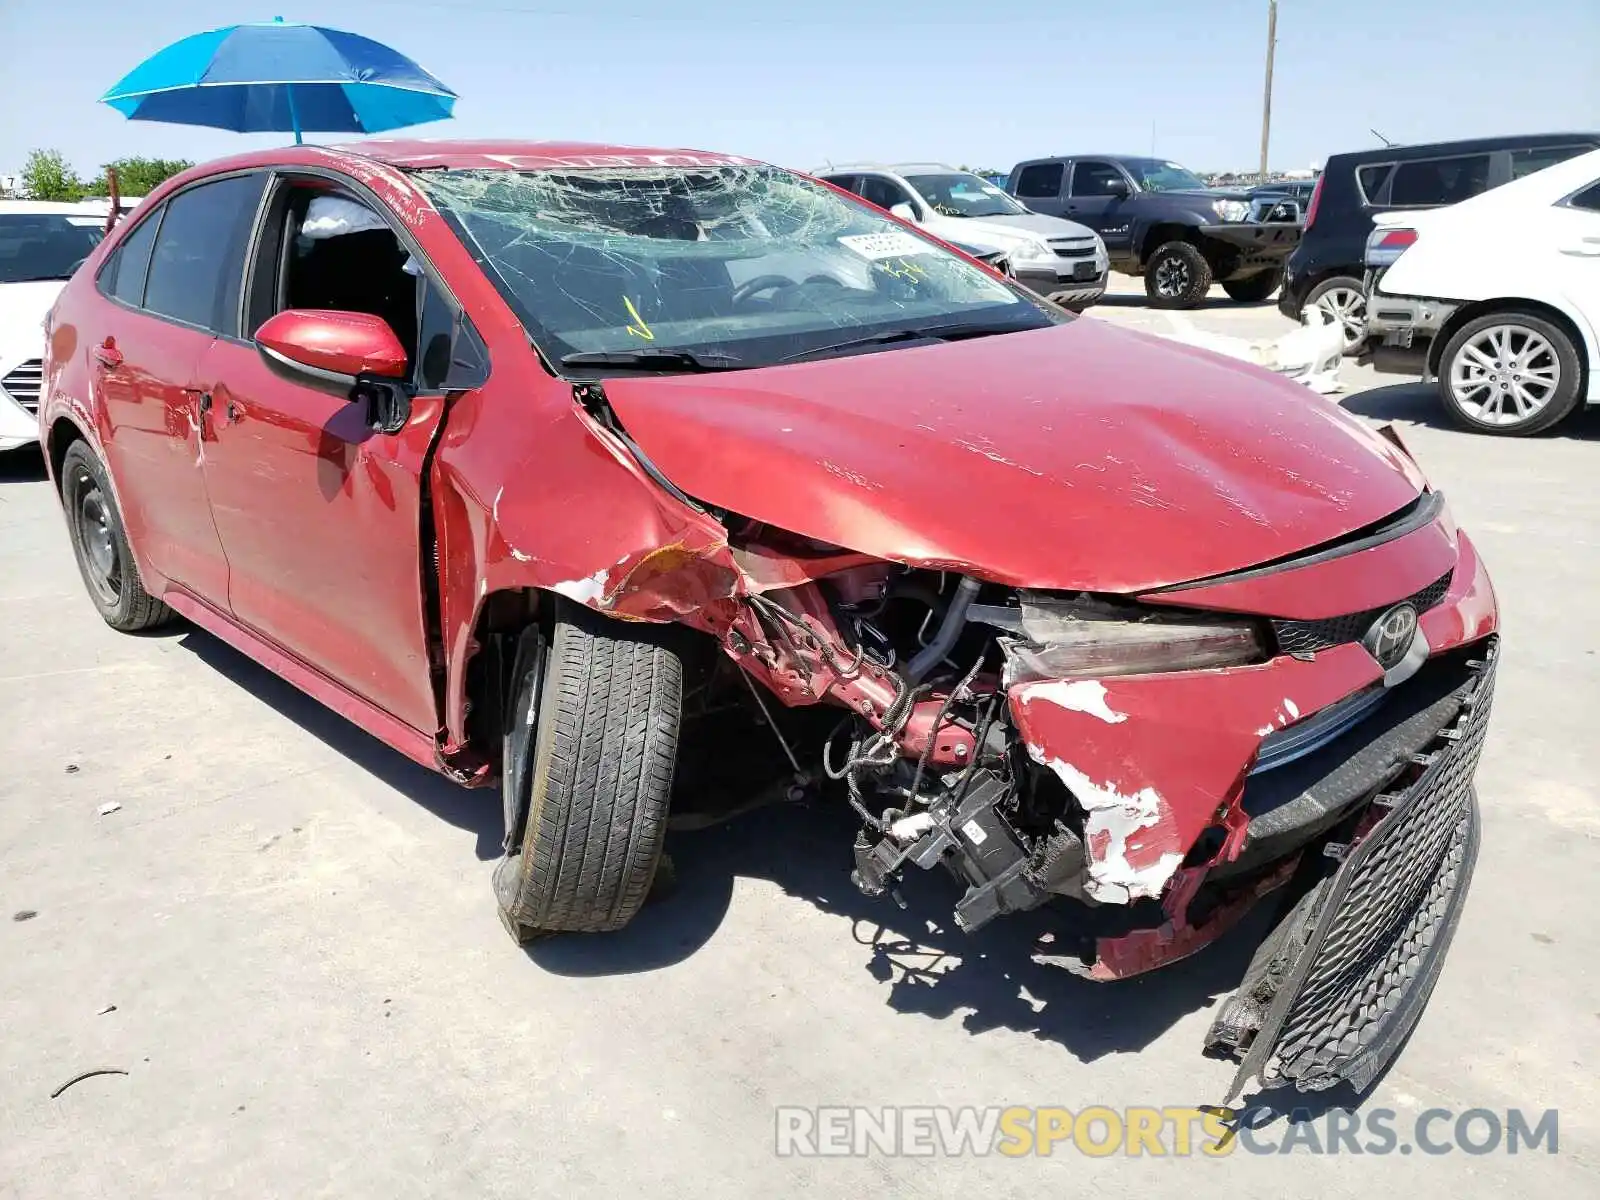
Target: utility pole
{"points": [[1266, 99]]}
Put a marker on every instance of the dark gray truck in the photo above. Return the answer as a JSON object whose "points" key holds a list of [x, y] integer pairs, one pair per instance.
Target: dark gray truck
{"points": [[1160, 221]]}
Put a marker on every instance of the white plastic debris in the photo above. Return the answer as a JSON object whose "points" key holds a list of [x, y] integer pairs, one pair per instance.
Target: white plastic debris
{"points": [[109, 807], [1310, 355]]}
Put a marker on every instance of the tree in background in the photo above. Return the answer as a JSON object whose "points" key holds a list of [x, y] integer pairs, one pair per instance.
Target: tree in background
{"points": [[47, 176], [140, 176]]}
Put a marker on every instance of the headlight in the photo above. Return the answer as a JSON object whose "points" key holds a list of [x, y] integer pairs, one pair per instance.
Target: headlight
{"points": [[1029, 249], [1230, 210], [1067, 637]]}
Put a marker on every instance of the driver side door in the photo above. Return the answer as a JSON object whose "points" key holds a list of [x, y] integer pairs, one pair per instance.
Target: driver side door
{"points": [[1097, 195], [320, 515]]}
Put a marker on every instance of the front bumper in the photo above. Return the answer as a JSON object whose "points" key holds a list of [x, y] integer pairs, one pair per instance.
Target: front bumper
{"points": [[1065, 284], [1266, 242], [18, 427]]}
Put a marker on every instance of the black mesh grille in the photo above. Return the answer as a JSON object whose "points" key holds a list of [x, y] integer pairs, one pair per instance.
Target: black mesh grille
{"points": [[1307, 637], [1382, 929]]}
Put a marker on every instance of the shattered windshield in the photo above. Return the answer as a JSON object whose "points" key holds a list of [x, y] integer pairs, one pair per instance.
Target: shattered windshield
{"points": [[748, 264], [1157, 175], [960, 194]]}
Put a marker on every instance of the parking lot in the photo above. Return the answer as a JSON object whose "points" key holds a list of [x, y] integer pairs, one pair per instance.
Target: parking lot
{"points": [[313, 996]]}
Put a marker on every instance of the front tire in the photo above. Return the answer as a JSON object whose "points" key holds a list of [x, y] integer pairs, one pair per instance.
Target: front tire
{"points": [[1253, 289], [604, 744], [1177, 276], [1510, 373], [100, 544]]}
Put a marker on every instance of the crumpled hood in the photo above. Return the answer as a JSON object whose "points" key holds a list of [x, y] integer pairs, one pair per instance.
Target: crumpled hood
{"points": [[1082, 456]]}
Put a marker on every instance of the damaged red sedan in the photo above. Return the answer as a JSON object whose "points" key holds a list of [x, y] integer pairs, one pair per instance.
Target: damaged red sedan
{"points": [[575, 470]]}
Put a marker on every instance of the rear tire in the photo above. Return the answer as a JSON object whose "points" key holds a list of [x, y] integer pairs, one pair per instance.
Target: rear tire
{"points": [[1344, 299], [100, 544], [603, 748], [1510, 373], [1253, 289], [1177, 276]]}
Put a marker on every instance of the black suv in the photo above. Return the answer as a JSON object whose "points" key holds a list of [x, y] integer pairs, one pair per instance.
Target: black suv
{"points": [[1161, 221], [1326, 270]]}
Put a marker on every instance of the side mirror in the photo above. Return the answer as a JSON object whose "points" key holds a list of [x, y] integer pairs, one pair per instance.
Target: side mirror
{"points": [[1118, 187], [904, 211], [350, 354]]}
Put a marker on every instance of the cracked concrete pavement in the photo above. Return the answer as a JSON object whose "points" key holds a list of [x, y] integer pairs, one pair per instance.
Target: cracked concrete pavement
{"points": [[313, 995]]}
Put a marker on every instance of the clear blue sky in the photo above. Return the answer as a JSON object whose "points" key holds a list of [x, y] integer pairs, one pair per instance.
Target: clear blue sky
{"points": [[985, 83]]}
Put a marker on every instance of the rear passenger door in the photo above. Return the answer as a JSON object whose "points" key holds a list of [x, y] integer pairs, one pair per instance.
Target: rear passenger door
{"points": [[1041, 186], [170, 283]]}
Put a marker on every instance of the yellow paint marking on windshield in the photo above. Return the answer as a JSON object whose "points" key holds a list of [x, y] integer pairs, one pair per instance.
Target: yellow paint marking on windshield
{"points": [[901, 269], [640, 328]]}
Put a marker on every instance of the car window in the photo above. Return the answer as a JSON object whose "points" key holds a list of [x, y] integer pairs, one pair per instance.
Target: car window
{"points": [[742, 261], [1588, 199], [39, 246], [962, 194], [130, 261], [198, 261], [1370, 181], [845, 182], [1041, 181], [885, 193], [1437, 181], [1094, 179], [1526, 162]]}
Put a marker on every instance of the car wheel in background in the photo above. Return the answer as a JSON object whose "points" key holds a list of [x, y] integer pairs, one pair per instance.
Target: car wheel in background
{"points": [[1177, 276], [100, 543], [594, 721], [1344, 299], [1253, 288], [1509, 372]]}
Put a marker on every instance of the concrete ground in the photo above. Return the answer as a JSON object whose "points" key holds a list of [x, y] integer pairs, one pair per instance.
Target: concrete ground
{"points": [[313, 996]]}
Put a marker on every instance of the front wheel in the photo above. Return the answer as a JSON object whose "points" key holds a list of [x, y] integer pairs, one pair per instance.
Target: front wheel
{"points": [[1177, 276], [592, 743], [100, 544], [1253, 289], [1511, 373]]}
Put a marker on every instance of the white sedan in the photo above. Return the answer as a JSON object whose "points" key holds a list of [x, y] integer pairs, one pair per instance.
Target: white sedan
{"points": [[1504, 291], [41, 244]]}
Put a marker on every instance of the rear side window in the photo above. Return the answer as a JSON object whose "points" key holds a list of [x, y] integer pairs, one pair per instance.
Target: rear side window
{"points": [[1094, 179], [1526, 162], [1041, 181], [1437, 181], [1588, 199], [885, 193], [847, 182], [1371, 180], [198, 262], [130, 262]]}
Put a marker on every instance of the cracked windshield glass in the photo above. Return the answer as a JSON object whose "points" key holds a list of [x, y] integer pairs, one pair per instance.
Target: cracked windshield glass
{"points": [[712, 267]]}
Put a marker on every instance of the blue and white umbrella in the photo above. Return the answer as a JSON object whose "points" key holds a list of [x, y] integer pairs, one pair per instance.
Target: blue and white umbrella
{"points": [[279, 76]]}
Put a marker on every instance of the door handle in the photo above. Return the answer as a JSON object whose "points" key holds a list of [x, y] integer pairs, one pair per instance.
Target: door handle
{"points": [[108, 356]]}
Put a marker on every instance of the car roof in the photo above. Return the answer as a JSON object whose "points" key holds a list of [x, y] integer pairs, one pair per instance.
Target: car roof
{"points": [[902, 168], [1466, 146]]}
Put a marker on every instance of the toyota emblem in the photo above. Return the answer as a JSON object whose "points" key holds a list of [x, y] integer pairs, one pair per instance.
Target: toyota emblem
{"points": [[1391, 636]]}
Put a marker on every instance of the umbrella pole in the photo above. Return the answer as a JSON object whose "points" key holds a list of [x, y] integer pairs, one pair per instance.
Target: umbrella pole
{"points": [[294, 116]]}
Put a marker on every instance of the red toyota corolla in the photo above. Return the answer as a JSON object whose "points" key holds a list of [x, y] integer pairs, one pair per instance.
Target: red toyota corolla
{"points": [[572, 469]]}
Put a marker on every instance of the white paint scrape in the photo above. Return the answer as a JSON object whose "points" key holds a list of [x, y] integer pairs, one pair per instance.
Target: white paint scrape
{"points": [[1079, 695], [584, 591], [1112, 878]]}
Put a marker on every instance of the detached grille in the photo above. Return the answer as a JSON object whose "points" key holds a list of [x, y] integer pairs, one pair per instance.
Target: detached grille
{"points": [[24, 382], [1304, 638], [1384, 924]]}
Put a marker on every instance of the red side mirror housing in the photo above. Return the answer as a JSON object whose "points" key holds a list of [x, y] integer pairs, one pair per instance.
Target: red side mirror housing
{"points": [[332, 346]]}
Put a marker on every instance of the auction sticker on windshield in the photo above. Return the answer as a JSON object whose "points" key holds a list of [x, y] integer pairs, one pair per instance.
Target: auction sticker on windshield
{"points": [[892, 244]]}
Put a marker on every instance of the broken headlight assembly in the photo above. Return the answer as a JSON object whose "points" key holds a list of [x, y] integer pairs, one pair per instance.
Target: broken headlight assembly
{"points": [[1067, 637]]}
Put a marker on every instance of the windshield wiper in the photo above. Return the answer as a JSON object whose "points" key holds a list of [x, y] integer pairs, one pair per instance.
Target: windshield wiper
{"points": [[654, 359], [934, 333]]}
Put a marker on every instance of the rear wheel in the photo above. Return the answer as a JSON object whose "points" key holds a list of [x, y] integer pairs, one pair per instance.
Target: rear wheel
{"points": [[1344, 300], [1177, 276], [1253, 288], [594, 722], [1511, 373], [100, 544]]}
